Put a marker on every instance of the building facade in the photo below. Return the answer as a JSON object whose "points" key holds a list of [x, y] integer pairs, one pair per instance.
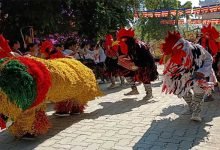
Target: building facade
{"points": [[208, 2], [214, 15]]}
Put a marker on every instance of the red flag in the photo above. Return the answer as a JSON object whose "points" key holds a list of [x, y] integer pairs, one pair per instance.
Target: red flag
{"points": [[150, 14], [180, 12], [205, 9], [213, 8], [157, 14], [197, 10], [144, 14], [164, 13], [218, 7], [188, 11], [162, 22], [173, 12]]}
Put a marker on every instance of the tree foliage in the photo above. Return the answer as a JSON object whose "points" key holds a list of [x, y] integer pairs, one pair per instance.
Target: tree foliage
{"points": [[89, 17], [161, 4], [43, 15], [150, 28], [97, 17]]}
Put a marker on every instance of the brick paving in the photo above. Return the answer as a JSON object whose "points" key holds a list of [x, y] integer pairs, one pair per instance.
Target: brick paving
{"points": [[118, 122]]}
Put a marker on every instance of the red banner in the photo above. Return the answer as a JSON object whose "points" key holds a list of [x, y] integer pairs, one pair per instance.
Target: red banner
{"points": [[197, 10], [173, 12], [194, 21], [180, 12], [151, 14], [148, 14], [170, 22], [157, 14], [205, 9], [188, 11], [213, 8], [165, 13]]}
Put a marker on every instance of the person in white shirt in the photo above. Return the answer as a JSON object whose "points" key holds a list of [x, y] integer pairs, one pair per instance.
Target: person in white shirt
{"points": [[15, 46], [32, 50], [101, 63], [70, 47]]}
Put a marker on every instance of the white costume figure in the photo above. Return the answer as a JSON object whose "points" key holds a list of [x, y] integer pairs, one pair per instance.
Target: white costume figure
{"points": [[186, 67]]}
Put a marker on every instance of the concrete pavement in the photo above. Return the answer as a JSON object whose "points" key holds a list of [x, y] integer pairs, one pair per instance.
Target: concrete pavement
{"points": [[118, 122]]}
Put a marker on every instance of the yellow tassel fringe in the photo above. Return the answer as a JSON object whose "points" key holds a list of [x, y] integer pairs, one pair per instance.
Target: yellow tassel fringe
{"points": [[71, 80]]}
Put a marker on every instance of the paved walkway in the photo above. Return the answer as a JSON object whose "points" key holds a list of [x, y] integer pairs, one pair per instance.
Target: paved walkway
{"points": [[116, 122]]}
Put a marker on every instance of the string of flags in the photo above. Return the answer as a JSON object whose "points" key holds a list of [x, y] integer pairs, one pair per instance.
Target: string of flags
{"points": [[179, 12], [193, 21]]}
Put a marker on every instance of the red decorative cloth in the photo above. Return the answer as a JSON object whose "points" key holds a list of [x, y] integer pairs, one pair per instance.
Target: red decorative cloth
{"points": [[41, 124], [209, 37], [2, 124], [58, 54], [126, 62], [4, 47], [42, 76], [46, 48]]}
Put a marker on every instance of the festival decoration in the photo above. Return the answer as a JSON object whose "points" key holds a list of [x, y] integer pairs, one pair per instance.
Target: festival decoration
{"points": [[193, 21], [179, 12]]}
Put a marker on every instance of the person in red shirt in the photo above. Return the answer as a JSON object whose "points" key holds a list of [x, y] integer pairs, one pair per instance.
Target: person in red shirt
{"points": [[112, 68], [49, 51]]}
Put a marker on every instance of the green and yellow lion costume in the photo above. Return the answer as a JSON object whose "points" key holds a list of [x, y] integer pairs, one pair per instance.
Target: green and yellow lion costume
{"points": [[27, 84]]}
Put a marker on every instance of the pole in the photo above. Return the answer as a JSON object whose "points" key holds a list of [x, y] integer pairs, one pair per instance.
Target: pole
{"points": [[177, 16]]}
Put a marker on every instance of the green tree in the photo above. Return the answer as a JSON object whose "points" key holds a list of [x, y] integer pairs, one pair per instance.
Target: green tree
{"points": [[98, 17], [150, 28], [92, 18], [44, 15]]}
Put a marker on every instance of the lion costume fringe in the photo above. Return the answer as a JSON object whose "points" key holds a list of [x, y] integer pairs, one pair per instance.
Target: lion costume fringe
{"points": [[28, 83]]}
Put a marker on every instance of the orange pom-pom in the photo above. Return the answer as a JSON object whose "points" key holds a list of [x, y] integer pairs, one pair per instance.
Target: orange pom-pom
{"points": [[209, 37], [45, 46], [125, 33], [4, 48], [170, 41]]}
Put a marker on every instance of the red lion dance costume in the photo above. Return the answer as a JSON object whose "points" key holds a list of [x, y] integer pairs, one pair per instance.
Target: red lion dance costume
{"points": [[138, 61], [27, 83], [210, 40], [186, 66]]}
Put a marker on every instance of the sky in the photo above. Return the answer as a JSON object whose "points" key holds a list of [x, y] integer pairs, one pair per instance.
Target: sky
{"points": [[194, 2]]}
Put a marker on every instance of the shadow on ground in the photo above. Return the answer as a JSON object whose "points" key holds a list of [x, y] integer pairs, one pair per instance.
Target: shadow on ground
{"points": [[118, 87], [119, 107], [178, 133], [59, 124]]}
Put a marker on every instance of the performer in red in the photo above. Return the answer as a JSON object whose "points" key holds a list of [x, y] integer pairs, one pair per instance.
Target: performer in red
{"points": [[111, 62], [210, 40], [137, 58], [48, 51], [67, 107]]}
